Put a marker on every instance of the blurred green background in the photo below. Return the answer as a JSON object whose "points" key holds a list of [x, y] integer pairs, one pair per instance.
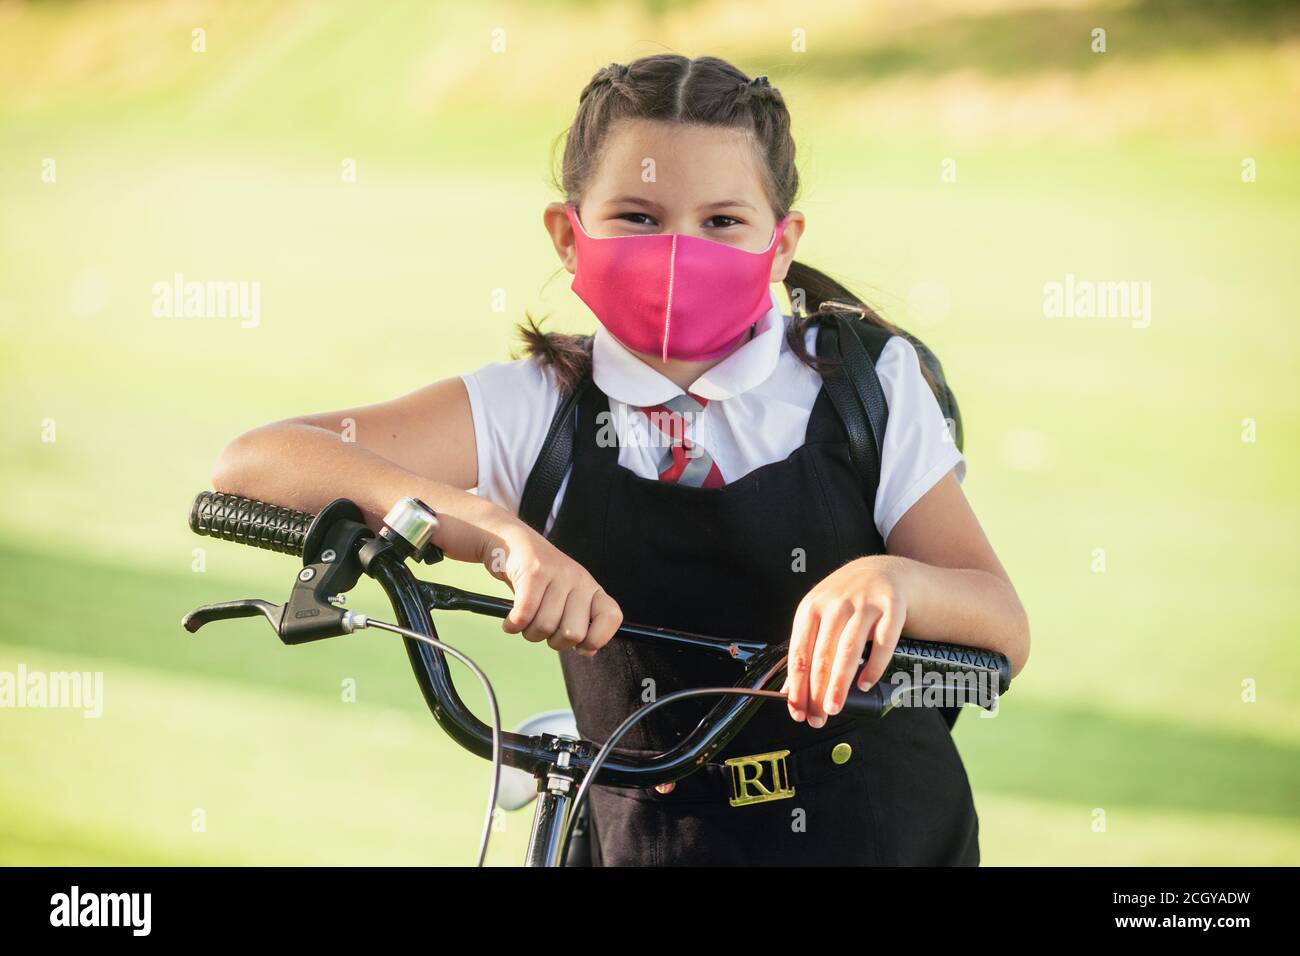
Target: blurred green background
{"points": [[1090, 441]]}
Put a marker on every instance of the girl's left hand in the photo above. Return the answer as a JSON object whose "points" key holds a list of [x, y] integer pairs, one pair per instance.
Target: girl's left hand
{"points": [[863, 601]]}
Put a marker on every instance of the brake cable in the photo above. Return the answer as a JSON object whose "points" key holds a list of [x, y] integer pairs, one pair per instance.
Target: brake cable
{"points": [[355, 622]]}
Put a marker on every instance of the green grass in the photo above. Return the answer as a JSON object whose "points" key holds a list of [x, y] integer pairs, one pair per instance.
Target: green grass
{"points": [[1081, 434], [195, 769]]}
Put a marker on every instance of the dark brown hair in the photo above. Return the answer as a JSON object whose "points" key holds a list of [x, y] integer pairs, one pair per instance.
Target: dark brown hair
{"points": [[706, 91]]}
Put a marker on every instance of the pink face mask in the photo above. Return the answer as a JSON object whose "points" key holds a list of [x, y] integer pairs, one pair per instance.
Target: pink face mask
{"points": [[673, 295]]}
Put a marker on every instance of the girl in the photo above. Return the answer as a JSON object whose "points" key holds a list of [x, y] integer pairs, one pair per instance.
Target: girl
{"points": [[709, 489]]}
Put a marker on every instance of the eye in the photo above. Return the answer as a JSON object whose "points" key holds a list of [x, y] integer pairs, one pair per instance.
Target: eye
{"points": [[730, 221], [632, 217]]}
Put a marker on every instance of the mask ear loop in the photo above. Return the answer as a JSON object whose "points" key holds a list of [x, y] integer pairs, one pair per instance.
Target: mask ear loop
{"points": [[778, 231], [575, 219]]}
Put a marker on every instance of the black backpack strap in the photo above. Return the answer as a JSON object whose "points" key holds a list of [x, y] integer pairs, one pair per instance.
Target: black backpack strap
{"points": [[862, 447], [553, 461], [855, 391]]}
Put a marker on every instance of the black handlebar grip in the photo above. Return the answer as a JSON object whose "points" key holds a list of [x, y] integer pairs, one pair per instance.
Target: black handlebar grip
{"points": [[931, 657], [951, 658], [255, 523]]}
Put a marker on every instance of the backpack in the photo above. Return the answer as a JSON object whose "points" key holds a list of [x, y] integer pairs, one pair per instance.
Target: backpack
{"points": [[851, 384]]}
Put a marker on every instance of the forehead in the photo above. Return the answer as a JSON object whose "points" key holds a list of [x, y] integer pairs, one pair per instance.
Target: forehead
{"points": [[690, 162]]}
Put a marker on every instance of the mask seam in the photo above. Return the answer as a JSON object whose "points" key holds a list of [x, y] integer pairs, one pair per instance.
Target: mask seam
{"points": [[668, 309]]}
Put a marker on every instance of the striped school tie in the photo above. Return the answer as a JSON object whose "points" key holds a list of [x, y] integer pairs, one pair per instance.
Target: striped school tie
{"points": [[683, 462]]}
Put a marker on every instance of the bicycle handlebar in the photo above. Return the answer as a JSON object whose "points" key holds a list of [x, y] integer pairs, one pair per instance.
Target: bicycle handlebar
{"points": [[935, 656], [298, 533]]}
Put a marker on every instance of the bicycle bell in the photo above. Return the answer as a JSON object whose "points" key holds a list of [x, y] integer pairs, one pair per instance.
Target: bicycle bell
{"points": [[410, 526]]}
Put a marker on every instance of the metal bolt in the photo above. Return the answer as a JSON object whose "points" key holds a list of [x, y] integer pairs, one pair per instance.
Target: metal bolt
{"points": [[328, 555], [306, 574]]}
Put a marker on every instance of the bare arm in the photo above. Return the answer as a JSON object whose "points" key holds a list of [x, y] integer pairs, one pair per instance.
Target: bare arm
{"points": [[423, 445], [958, 590], [940, 580]]}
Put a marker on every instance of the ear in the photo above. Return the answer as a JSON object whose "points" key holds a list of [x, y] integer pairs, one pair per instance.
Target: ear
{"points": [[786, 245], [557, 224]]}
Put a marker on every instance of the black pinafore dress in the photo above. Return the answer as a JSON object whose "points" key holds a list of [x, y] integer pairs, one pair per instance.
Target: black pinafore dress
{"points": [[735, 562]]}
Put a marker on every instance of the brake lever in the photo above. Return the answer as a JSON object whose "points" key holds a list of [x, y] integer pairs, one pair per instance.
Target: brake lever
{"points": [[308, 615], [228, 610]]}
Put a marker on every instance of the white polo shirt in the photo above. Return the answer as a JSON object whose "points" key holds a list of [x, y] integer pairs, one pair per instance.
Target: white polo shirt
{"points": [[760, 398]]}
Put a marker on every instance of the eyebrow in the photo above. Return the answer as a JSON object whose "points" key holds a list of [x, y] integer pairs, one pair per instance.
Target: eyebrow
{"points": [[651, 204]]}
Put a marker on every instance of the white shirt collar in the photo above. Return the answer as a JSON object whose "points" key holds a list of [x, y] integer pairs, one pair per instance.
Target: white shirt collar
{"points": [[622, 376]]}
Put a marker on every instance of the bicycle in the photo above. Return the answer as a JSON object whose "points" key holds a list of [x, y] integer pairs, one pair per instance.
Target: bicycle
{"points": [[337, 547]]}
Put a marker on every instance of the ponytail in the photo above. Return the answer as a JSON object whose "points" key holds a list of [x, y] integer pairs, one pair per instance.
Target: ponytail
{"points": [[809, 287], [567, 356]]}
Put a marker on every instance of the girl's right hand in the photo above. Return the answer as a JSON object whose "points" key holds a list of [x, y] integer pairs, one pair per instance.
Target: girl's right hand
{"points": [[556, 599]]}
